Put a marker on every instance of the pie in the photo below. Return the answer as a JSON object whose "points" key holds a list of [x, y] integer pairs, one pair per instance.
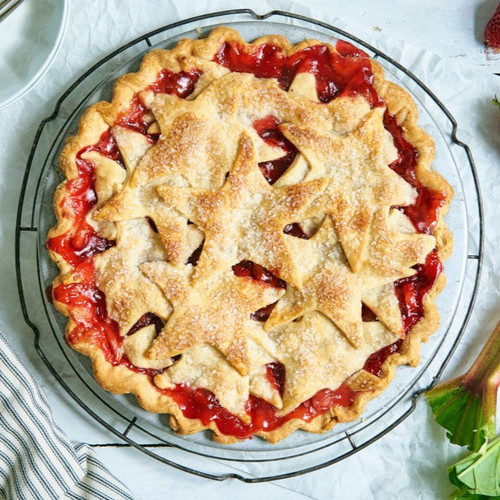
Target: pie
{"points": [[250, 236]]}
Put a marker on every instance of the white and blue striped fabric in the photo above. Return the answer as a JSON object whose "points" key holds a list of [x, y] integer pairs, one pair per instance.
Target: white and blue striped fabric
{"points": [[37, 461]]}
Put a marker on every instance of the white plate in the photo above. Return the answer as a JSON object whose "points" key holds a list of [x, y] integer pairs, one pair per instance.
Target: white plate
{"points": [[29, 39]]}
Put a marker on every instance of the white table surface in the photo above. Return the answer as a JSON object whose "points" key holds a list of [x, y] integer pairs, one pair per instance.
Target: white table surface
{"points": [[450, 29]]}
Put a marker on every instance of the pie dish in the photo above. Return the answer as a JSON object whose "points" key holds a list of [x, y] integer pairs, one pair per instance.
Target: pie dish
{"points": [[250, 236]]}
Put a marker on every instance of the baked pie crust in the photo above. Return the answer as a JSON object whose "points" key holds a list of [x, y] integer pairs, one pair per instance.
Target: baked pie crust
{"points": [[250, 236]]}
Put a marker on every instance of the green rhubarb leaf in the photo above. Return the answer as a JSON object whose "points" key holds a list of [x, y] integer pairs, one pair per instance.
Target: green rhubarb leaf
{"points": [[467, 495], [478, 473], [460, 412]]}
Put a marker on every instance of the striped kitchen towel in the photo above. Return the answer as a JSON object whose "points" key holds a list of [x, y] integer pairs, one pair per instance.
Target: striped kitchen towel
{"points": [[37, 461]]}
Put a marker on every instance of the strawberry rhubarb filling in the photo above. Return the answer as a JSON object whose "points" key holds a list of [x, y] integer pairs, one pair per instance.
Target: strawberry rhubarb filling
{"points": [[346, 72]]}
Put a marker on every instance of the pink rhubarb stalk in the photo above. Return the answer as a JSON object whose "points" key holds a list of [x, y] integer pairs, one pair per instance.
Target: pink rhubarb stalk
{"points": [[466, 405]]}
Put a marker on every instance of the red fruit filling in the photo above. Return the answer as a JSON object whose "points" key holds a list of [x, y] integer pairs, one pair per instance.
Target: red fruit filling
{"points": [[146, 320], [249, 269], [202, 404], [424, 214], [267, 128], [347, 72], [276, 374]]}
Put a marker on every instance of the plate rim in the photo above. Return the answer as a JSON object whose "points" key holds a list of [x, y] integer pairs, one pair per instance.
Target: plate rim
{"points": [[47, 62]]}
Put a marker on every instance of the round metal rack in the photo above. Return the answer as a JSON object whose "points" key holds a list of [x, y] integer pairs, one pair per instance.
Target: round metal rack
{"points": [[255, 460]]}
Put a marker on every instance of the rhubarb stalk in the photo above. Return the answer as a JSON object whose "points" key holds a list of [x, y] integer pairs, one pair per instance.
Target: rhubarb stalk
{"points": [[466, 405]]}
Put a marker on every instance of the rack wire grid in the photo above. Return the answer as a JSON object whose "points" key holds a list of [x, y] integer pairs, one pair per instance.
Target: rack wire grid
{"points": [[251, 461]]}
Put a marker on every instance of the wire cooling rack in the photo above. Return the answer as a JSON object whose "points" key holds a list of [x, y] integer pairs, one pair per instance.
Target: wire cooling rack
{"points": [[255, 460]]}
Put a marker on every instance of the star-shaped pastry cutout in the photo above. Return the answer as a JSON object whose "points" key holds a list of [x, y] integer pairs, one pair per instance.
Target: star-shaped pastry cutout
{"points": [[329, 285], [129, 294], [197, 145], [314, 345], [177, 158], [394, 247], [361, 179], [244, 219], [215, 311]]}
